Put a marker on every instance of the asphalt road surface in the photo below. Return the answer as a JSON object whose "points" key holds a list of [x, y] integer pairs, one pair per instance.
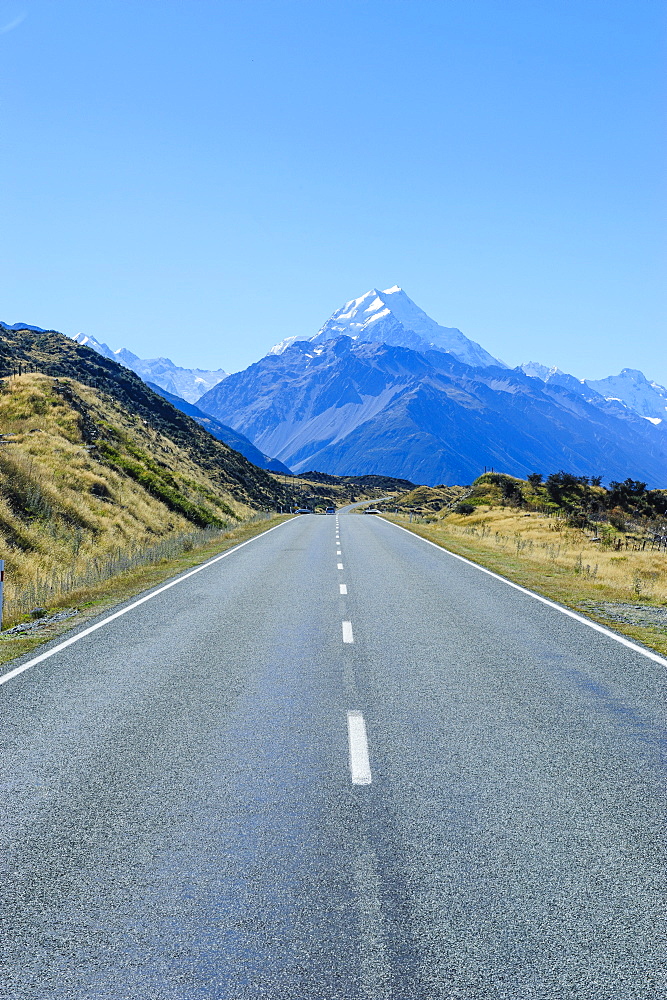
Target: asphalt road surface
{"points": [[335, 768]]}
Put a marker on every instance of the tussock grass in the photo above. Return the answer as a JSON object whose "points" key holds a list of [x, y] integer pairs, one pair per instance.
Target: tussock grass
{"points": [[561, 562], [88, 490], [95, 599]]}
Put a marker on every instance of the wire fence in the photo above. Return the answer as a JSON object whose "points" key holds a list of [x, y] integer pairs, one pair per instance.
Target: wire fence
{"points": [[44, 592]]}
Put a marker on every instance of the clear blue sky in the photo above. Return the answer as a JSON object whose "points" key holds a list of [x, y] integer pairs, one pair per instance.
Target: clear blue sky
{"points": [[201, 178]]}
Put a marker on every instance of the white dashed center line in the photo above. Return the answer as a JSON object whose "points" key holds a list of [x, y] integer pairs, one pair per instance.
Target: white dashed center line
{"points": [[343, 588], [338, 552], [347, 632], [340, 565], [360, 767]]}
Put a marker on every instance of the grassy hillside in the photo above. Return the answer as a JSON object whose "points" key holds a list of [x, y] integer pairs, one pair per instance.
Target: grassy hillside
{"points": [[319, 490], [425, 500], [56, 355], [87, 487], [600, 551]]}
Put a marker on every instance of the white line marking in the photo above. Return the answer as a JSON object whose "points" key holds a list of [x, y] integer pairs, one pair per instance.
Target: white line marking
{"points": [[347, 632], [343, 588], [117, 614], [543, 600], [360, 767], [338, 552], [340, 565]]}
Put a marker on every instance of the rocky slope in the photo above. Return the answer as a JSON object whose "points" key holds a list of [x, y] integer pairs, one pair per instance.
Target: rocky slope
{"points": [[349, 407], [223, 433]]}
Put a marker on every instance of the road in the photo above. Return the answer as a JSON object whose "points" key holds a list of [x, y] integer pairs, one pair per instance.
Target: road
{"points": [[324, 767]]}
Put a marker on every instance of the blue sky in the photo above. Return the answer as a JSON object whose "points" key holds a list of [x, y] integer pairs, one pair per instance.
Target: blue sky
{"points": [[201, 178]]}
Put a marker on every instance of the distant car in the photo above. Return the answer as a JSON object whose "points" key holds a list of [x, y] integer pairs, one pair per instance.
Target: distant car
{"points": [[303, 510], [330, 510], [372, 510]]}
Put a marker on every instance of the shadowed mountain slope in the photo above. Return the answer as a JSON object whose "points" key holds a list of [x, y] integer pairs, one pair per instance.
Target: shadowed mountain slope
{"points": [[53, 354], [220, 431], [352, 408]]}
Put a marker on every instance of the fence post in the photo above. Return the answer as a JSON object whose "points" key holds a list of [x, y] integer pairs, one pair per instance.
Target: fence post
{"points": [[2, 587]]}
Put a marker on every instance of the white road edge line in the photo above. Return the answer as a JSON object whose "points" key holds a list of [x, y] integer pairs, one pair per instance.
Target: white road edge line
{"points": [[117, 614], [538, 597], [340, 565], [360, 768], [343, 588], [347, 632]]}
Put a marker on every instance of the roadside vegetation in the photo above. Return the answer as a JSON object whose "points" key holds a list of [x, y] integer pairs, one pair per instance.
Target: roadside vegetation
{"points": [[601, 551], [318, 490], [89, 490], [94, 599]]}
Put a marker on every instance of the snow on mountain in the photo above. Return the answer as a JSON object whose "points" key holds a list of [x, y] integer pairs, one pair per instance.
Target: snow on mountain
{"points": [[535, 369], [555, 376], [284, 344], [103, 349], [630, 390], [188, 383], [391, 317], [648, 399], [354, 408]]}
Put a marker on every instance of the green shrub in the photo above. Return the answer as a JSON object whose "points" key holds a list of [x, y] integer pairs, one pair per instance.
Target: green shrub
{"points": [[465, 508], [160, 489]]}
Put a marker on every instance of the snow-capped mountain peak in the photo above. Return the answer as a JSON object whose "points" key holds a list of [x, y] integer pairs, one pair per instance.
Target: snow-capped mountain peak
{"points": [[281, 347], [389, 316], [537, 370], [648, 399], [188, 383], [95, 345]]}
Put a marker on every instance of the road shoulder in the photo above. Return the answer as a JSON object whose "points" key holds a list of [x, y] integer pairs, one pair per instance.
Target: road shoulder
{"points": [[576, 595], [113, 593]]}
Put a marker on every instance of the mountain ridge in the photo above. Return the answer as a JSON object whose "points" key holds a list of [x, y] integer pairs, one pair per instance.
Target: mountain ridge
{"points": [[391, 317], [61, 357], [230, 437], [351, 407], [186, 383]]}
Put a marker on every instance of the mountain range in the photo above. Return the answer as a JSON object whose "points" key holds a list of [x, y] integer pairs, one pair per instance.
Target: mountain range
{"points": [[382, 388], [344, 406], [187, 383]]}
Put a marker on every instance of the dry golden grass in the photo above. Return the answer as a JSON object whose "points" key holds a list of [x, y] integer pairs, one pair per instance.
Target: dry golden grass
{"points": [[63, 509], [95, 600], [563, 563]]}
